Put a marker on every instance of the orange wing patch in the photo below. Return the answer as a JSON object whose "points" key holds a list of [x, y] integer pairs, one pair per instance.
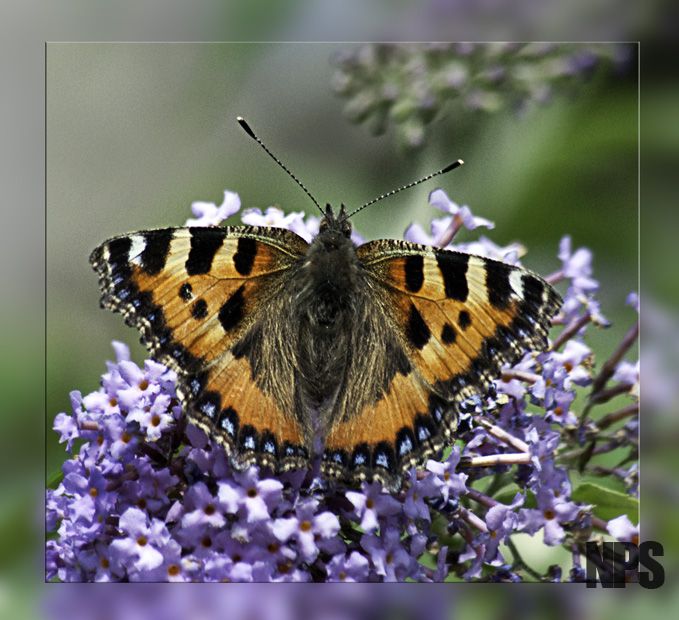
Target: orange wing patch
{"points": [[390, 436], [250, 425]]}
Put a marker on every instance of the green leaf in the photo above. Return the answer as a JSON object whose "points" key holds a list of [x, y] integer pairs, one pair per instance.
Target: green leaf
{"points": [[54, 479], [607, 503]]}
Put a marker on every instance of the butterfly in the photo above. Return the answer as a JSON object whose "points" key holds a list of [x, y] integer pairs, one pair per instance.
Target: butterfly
{"points": [[357, 357]]}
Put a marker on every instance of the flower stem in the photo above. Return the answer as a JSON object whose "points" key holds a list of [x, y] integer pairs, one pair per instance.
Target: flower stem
{"points": [[570, 330], [503, 435], [519, 563], [493, 460]]}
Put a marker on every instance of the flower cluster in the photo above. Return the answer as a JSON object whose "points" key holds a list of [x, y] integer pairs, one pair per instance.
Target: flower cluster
{"points": [[408, 85], [145, 497]]}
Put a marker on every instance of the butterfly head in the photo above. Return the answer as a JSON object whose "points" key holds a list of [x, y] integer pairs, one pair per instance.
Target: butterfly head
{"points": [[335, 225]]}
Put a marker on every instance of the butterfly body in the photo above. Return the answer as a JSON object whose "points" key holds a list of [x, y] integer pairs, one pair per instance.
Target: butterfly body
{"points": [[286, 351]]}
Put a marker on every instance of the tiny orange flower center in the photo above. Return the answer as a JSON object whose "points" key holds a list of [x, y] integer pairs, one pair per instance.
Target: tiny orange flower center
{"points": [[155, 420], [143, 384], [342, 575], [369, 503], [558, 411], [113, 402], [104, 563], [141, 541], [273, 547], [283, 567], [568, 366], [549, 514], [305, 526], [252, 492], [93, 492], [209, 509], [446, 476], [173, 570], [125, 437]]}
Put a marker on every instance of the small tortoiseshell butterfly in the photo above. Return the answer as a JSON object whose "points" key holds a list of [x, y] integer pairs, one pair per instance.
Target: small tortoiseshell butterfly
{"points": [[288, 351]]}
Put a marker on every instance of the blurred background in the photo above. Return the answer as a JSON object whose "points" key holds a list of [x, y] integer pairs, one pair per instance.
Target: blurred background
{"points": [[136, 132]]}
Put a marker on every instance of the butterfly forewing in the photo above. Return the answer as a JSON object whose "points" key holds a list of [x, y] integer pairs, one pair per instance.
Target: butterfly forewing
{"points": [[194, 293]]}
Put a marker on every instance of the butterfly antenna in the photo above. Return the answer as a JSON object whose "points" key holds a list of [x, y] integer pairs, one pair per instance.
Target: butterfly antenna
{"points": [[248, 130], [448, 168]]}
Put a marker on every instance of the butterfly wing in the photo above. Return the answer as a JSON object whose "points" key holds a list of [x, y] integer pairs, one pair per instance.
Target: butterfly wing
{"points": [[457, 319], [203, 300]]}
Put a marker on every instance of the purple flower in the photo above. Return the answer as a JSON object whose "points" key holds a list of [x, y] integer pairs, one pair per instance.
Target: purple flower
{"points": [[349, 568], [201, 508], [153, 419], [274, 217], [501, 521], [371, 504], [139, 550], [258, 496], [414, 505], [450, 484], [306, 528], [461, 215], [627, 372], [573, 359], [577, 266], [510, 254], [621, 529], [209, 214], [552, 513], [389, 557], [444, 229]]}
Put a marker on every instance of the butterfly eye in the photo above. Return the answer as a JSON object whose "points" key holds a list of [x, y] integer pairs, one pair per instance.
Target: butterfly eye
{"points": [[345, 227]]}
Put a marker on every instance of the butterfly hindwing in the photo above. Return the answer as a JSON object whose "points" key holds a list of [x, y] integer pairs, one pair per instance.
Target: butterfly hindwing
{"points": [[458, 318], [194, 294]]}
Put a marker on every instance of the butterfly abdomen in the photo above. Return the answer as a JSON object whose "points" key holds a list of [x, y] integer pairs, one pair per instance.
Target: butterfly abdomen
{"points": [[324, 310]]}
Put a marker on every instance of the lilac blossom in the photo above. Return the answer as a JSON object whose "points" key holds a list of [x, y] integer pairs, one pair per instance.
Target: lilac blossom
{"points": [[144, 498], [370, 504], [209, 214]]}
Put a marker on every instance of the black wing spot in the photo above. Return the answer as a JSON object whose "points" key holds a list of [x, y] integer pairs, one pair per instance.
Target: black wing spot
{"points": [[204, 245], [414, 272], [244, 258], [417, 330], [186, 292], [448, 334], [497, 283], [533, 290], [464, 320], [156, 249], [453, 267], [199, 309], [232, 311]]}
